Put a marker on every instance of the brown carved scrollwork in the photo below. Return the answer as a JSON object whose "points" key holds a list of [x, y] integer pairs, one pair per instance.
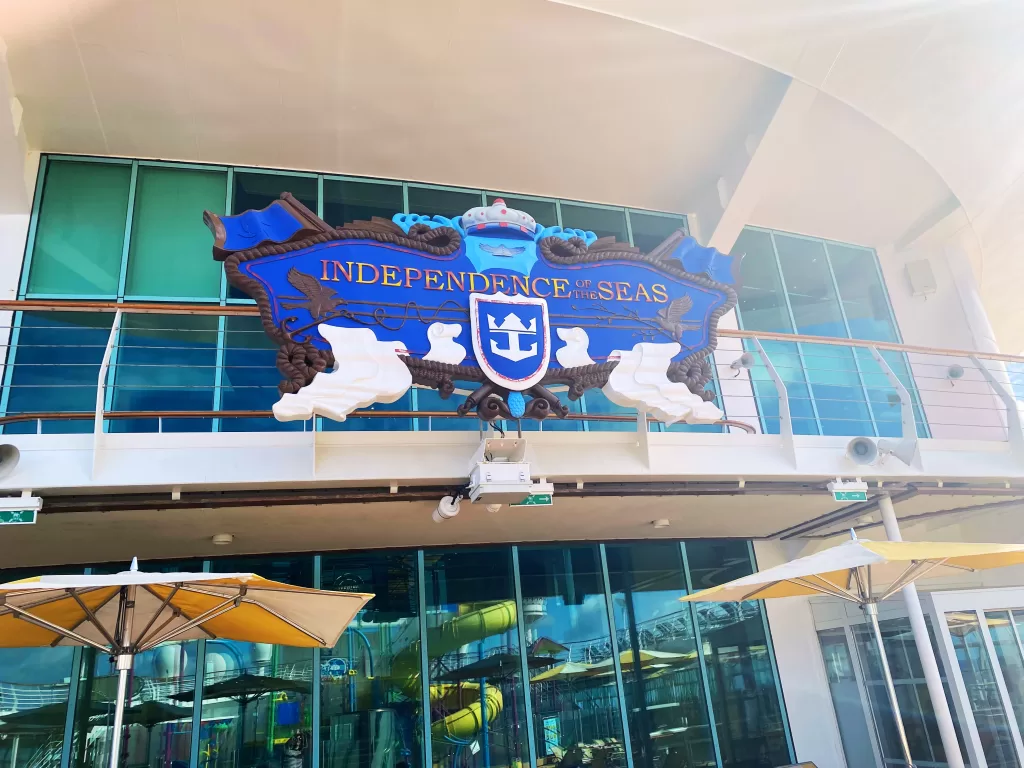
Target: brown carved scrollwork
{"points": [[300, 362]]}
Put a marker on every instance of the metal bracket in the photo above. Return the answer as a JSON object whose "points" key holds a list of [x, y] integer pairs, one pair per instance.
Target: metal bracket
{"points": [[908, 424], [1014, 433], [785, 419], [101, 392]]}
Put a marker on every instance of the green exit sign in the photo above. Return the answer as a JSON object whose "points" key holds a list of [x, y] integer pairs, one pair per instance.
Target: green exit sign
{"points": [[850, 495], [18, 517], [535, 500]]}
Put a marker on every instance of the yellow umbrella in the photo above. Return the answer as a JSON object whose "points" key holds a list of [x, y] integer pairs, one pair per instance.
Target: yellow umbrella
{"points": [[127, 613], [566, 671], [865, 572]]}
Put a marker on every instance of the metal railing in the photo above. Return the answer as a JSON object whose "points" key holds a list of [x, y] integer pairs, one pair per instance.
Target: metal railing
{"points": [[149, 367]]}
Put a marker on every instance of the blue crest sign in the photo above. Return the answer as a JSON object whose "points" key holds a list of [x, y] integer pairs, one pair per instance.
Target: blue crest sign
{"points": [[491, 298]]}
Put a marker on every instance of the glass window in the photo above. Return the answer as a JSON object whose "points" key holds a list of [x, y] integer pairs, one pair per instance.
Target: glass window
{"points": [[349, 201], [668, 719], [544, 212], [603, 222], [370, 686], [572, 681], [449, 203], [170, 256], [762, 302], [253, 191], [249, 377], [431, 400], [164, 363], [253, 726], [476, 689], [860, 287], [597, 402], [1006, 642], [55, 367], [34, 684], [650, 229], [982, 690], [911, 693], [744, 692], [854, 730], [80, 230], [376, 424]]}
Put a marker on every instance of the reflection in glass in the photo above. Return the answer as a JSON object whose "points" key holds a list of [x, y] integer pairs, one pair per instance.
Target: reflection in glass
{"points": [[33, 704], [370, 690], [650, 229], [668, 719], [744, 692], [603, 222], [249, 377], [854, 730], [266, 721], [572, 683], [1006, 642], [911, 693], [982, 690], [477, 708]]}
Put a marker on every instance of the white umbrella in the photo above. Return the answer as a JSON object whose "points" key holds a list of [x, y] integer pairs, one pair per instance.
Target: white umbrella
{"points": [[127, 613]]}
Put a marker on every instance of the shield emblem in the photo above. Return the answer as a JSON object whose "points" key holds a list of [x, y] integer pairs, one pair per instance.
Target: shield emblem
{"points": [[511, 338]]}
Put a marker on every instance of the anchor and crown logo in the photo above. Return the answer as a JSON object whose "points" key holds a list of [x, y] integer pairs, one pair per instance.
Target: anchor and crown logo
{"points": [[513, 328]]}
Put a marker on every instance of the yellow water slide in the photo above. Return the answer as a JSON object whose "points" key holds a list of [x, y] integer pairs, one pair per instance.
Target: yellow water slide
{"points": [[470, 627]]}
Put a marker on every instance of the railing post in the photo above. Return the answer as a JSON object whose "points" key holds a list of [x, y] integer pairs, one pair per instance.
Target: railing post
{"points": [[785, 419], [908, 432], [101, 390], [1014, 433]]}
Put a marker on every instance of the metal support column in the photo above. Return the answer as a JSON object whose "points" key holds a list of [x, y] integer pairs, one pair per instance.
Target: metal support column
{"points": [[943, 718], [197, 697], [421, 581]]}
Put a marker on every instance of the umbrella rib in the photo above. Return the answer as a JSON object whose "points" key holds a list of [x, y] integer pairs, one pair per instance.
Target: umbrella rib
{"points": [[158, 611], [762, 588], [77, 624], [218, 610], [834, 586], [91, 616], [70, 634], [921, 566], [831, 590], [286, 620]]}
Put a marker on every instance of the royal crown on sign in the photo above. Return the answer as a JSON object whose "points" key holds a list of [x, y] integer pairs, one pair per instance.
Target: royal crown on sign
{"points": [[499, 218]]}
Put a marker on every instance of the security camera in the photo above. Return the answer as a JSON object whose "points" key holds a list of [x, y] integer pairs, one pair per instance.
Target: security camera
{"points": [[446, 509], [742, 363]]}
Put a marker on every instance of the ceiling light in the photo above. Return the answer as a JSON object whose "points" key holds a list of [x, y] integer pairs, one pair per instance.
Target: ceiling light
{"points": [[661, 523], [223, 539]]}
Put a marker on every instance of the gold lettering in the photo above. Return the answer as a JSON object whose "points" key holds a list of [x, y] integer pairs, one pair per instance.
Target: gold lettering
{"points": [[604, 288], [359, 275], [561, 284], [435, 276], [622, 292], [641, 291], [520, 285], [390, 273], [472, 282], [323, 276], [660, 294], [339, 268], [494, 282], [409, 276], [459, 282], [536, 290]]}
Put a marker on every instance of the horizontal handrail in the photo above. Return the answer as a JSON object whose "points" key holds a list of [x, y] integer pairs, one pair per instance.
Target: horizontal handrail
{"points": [[114, 415], [250, 310]]}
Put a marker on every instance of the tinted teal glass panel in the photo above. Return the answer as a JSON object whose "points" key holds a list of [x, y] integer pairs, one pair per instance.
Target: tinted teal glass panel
{"points": [[572, 685], [372, 424], [650, 230], [170, 254], [56, 366], [349, 201], [473, 652], [664, 688], [860, 287], [370, 687], [762, 300], [543, 211], [249, 377], [253, 191], [34, 685], [786, 358], [80, 234], [596, 402], [165, 363], [441, 202], [431, 400], [744, 691], [603, 222], [883, 397]]}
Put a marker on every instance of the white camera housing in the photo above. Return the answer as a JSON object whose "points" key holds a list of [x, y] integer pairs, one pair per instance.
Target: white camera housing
{"points": [[498, 472]]}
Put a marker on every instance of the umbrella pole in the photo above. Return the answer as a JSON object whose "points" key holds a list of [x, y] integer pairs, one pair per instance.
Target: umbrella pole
{"points": [[872, 611], [124, 668]]}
